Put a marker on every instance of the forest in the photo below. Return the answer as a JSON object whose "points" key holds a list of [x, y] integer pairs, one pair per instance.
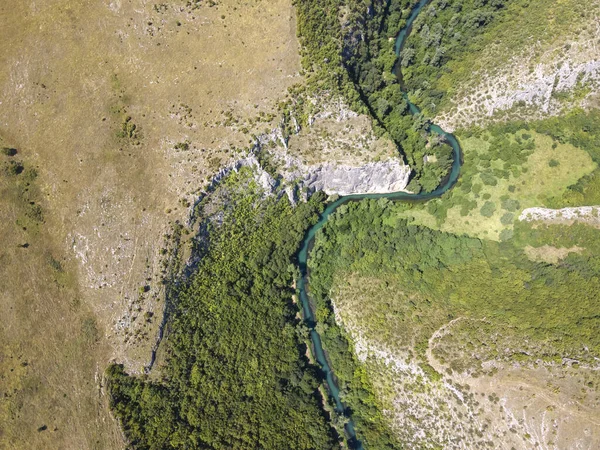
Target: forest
{"points": [[359, 61], [235, 373], [453, 276]]}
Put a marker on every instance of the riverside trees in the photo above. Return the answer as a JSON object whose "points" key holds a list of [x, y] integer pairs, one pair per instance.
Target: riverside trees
{"points": [[235, 373]]}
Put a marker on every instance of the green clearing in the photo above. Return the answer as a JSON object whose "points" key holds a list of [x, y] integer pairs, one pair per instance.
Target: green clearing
{"points": [[504, 173]]}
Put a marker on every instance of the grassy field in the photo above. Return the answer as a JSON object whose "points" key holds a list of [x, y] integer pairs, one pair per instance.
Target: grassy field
{"points": [[490, 205], [96, 96], [52, 350]]}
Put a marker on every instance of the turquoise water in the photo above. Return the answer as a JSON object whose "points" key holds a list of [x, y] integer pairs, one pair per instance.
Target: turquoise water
{"points": [[303, 254]]}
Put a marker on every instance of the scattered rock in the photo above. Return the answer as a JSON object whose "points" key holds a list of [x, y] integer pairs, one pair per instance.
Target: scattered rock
{"points": [[585, 214]]}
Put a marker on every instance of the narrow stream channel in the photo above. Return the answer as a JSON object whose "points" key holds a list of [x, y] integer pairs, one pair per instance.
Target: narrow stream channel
{"points": [[303, 254]]}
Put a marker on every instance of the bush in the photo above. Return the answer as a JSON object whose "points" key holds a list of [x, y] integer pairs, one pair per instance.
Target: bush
{"points": [[553, 163], [507, 219], [14, 168], [9, 151], [488, 179], [510, 205], [185, 146], [488, 209]]}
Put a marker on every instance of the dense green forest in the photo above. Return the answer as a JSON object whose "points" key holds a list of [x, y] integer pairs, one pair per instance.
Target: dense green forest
{"points": [[459, 44], [236, 374], [348, 47], [453, 276]]}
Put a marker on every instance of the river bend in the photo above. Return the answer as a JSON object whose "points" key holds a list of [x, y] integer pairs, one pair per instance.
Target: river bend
{"points": [[306, 244]]}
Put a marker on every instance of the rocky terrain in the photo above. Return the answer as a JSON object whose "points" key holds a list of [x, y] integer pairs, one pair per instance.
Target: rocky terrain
{"points": [[544, 91], [585, 214], [529, 75], [336, 179], [453, 397]]}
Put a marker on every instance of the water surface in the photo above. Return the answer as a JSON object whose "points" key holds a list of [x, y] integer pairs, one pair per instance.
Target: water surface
{"points": [[306, 245]]}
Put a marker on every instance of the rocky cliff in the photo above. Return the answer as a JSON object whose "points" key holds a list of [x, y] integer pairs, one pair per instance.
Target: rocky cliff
{"points": [[374, 177]]}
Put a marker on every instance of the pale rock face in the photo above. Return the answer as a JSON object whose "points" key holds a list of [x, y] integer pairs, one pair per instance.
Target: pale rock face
{"points": [[371, 178], [381, 177], [585, 214], [515, 85]]}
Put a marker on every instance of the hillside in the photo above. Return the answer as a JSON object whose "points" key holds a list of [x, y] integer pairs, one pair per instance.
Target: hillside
{"points": [[534, 59], [469, 321], [163, 167], [124, 110]]}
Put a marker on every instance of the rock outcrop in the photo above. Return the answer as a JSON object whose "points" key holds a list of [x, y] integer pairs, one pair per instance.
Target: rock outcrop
{"points": [[585, 214], [375, 177]]}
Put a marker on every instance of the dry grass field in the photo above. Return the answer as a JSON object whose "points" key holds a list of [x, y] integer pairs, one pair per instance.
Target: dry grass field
{"points": [[96, 95]]}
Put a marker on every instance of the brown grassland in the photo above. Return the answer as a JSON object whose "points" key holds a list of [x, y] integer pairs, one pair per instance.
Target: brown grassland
{"points": [[96, 95]]}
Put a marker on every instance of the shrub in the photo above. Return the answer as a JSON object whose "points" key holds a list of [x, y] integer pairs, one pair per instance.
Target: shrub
{"points": [[553, 163], [14, 168], [488, 179], [182, 146], [487, 210], [506, 234], [89, 330], [507, 219], [9, 151], [510, 205]]}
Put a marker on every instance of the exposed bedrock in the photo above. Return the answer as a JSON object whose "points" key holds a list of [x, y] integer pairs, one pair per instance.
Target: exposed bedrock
{"points": [[371, 178], [375, 177]]}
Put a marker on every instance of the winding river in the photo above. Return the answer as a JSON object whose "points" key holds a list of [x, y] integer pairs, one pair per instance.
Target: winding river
{"points": [[303, 254]]}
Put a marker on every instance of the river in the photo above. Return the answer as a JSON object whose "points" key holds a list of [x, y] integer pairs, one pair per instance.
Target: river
{"points": [[303, 254]]}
